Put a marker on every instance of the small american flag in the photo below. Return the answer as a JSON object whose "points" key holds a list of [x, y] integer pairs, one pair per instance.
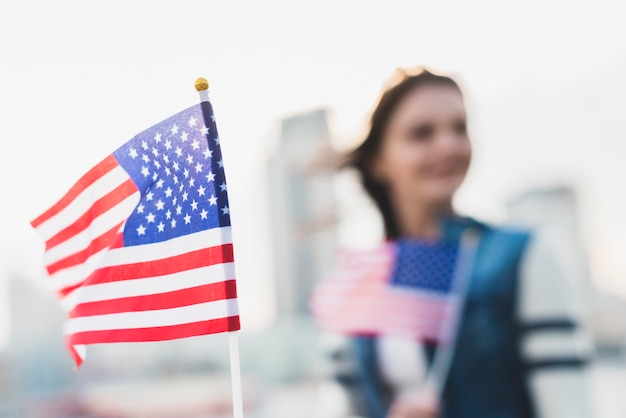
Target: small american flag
{"points": [[140, 248], [403, 288]]}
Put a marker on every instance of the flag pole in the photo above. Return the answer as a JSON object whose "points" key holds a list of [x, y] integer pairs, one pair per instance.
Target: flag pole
{"points": [[202, 87], [436, 378]]}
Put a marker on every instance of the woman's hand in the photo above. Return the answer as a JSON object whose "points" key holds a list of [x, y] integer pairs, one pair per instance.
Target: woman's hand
{"points": [[419, 407]]}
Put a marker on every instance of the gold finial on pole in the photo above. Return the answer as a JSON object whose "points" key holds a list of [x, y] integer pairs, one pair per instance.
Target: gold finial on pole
{"points": [[202, 84]]}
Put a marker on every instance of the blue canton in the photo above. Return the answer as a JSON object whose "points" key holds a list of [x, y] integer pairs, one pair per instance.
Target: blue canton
{"points": [[177, 166], [425, 265]]}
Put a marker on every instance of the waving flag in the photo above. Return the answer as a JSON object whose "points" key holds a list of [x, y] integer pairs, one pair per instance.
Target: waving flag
{"points": [[403, 288], [140, 248]]}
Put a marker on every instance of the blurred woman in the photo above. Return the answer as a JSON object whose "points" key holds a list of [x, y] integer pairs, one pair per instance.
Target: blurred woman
{"points": [[520, 350]]}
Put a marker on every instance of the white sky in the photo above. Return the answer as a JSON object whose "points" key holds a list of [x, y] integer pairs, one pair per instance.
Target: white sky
{"points": [[544, 83]]}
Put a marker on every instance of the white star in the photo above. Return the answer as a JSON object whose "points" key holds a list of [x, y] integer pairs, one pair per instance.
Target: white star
{"points": [[192, 121], [155, 176], [168, 171], [150, 217], [186, 173], [160, 205], [212, 200], [180, 189], [207, 153], [144, 145], [141, 230], [168, 192], [189, 159], [168, 214], [179, 151], [149, 196], [155, 152], [194, 205], [220, 164], [157, 164], [192, 182], [159, 183], [223, 187], [168, 145], [160, 226], [185, 197], [175, 179], [203, 214], [195, 144], [166, 159], [179, 209], [198, 168], [204, 130], [176, 166], [145, 171], [133, 153], [157, 137], [225, 210], [145, 158], [140, 208], [184, 136], [174, 200], [213, 118], [210, 177], [174, 129], [187, 218], [217, 140], [201, 190], [173, 223]]}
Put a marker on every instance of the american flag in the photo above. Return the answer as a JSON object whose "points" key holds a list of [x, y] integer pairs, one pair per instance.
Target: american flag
{"points": [[403, 288], [140, 248]]}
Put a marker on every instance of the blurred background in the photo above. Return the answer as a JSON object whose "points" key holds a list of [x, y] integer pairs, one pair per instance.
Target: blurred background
{"points": [[292, 84]]}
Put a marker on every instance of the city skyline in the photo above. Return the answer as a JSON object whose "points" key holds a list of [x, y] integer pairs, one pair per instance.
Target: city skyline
{"points": [[545, 97]]}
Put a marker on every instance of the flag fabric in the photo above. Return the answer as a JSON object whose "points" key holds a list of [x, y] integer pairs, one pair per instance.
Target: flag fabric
{"points": [[404, 288], [140, 248]]}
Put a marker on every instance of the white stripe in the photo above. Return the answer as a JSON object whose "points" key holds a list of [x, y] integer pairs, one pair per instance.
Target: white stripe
{"points": [[161, 284], [77, 274], [81, 351], [170, 248], [157, 318], [70, 301], [140, 254], [82, 203], [99, 226]]}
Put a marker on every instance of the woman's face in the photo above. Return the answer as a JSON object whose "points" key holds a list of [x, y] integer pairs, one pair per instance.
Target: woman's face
{"points": [[426, 151]]}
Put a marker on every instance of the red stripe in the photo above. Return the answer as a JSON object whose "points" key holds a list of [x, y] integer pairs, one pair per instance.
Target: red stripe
{"points": [[100, 206], [170, 332], [98, 244], [185, 297], [195, 259], [69, 289], [103, 167], [118, 242], [188, 261], [77, 359]]}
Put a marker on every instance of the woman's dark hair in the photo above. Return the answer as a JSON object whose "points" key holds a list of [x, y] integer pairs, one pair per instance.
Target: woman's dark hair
{"points": [[363, 157]]}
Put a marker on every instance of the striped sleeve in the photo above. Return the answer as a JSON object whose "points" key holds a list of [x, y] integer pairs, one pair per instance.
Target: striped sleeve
{"points": [[554, 342]]}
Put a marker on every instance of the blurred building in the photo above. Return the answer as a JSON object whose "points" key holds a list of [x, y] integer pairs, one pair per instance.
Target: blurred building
{"points": [[36, 351], [553, 213], [303, 208]]}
